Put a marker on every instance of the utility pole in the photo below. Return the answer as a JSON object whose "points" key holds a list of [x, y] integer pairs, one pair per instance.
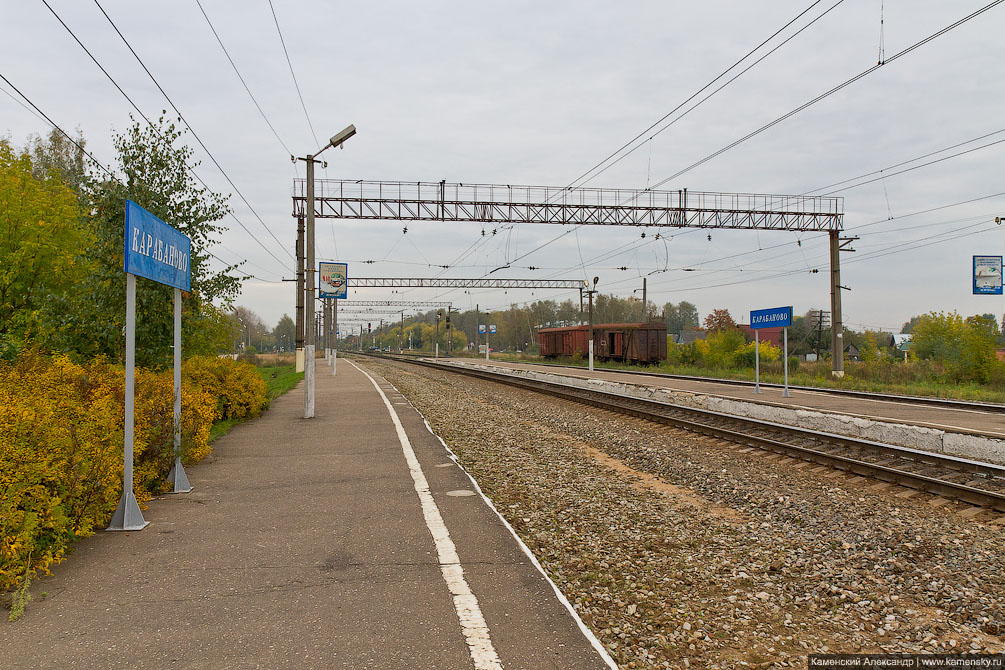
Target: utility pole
{"points": [[478, 337], [300, 296], [644, 315], [837, 245], [450, 330], [590, 344], [311, 159]]}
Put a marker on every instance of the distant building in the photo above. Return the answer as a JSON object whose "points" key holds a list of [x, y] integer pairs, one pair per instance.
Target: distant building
{"points": [[689, 336], [900, 342], [772, 335]]}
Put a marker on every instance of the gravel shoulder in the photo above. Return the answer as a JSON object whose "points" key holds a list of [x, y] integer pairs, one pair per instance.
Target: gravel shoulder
{"points": [[683, 551]]}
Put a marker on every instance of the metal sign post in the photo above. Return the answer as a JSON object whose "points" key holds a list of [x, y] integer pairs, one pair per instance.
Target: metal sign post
{"points": [[156, 251], [333, 279], [491, 331], [771, 318]]}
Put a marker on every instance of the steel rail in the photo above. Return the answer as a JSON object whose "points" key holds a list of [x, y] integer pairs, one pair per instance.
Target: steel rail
{"points": [[701, 421]]}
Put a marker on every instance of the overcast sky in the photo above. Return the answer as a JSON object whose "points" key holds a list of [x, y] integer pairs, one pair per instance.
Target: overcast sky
{"points": [[538, 93]]}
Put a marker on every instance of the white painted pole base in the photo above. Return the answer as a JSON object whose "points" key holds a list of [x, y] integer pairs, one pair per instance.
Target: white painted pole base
{"points": [[334, 360], [180, 479], [128, 515], [309, 381], [436, 353], [300, 360], [591, 355]]}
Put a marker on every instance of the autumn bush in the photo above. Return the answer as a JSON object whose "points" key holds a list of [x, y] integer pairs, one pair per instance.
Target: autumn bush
{"points": [[236, 385], [61, 433]]}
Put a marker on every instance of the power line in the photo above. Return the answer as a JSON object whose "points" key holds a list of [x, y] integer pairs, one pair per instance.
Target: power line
{"points": [[912, 160], [293, 74], [98, 163], [243, 83], [822, 96], [689, 99], [150, 123], [189, 126], [724, 85], [915, 167], [56, 126]]}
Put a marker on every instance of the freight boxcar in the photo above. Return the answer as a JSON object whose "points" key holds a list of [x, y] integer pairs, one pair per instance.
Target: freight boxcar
{"points": [[630, 342]]}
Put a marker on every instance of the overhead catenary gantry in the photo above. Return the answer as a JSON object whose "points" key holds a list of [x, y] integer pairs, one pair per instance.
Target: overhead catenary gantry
{"points": [[504, 204], [394, 303], [441, 282]]}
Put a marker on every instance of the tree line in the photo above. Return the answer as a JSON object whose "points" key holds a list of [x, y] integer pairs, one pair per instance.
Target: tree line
{"points": [[62, 285]]}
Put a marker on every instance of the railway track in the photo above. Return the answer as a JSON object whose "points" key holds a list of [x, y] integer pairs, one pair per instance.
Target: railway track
{"points": [[848, 393], [996, 408], [973, 482]]}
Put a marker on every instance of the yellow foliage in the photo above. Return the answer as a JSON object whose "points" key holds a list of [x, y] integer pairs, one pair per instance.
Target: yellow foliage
{"points": [[61, 434], [238, 389]]}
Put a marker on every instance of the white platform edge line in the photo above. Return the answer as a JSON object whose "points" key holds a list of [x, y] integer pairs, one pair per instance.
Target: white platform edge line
{"points": [[469, 613], [584, 629]]}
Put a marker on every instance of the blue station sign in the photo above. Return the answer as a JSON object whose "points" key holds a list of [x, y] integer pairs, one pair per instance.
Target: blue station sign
{"points": [[775, 317], [155, 250]]}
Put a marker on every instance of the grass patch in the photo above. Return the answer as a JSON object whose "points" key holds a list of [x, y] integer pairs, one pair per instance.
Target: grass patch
{"points": [[279, 379]]}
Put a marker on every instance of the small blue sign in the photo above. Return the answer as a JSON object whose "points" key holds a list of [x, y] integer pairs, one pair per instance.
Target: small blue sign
{"points": [[987, 275], [492, 329], [155, 250], [481, 328], [775, 317]]}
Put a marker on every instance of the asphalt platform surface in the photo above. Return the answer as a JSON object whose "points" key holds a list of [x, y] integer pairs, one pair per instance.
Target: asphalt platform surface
{"points": [[305, 544]]}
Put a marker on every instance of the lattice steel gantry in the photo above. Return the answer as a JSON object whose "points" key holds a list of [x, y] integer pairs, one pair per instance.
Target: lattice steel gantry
{"points": [[500, 203], [504, 203]]}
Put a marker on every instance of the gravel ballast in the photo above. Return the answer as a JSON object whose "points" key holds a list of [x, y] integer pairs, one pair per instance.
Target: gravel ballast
{"points": [[683, 551]]}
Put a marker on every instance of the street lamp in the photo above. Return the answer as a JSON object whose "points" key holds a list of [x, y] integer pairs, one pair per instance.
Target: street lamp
{"points": [[590, 294], [246, 331], [311, 159]]}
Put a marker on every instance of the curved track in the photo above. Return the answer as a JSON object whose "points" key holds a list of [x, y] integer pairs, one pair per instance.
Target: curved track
{"points": [[974, 482]]}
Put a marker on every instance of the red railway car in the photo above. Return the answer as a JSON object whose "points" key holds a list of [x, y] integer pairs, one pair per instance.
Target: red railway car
{"points": [[631, 342]]}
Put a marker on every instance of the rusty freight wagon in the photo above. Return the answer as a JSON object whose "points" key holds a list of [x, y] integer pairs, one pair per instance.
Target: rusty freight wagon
{"points": [[630, 342]]}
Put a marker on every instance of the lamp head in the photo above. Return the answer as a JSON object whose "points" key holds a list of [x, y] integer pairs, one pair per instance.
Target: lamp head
{"points": [[595, 280], [342, 135]]}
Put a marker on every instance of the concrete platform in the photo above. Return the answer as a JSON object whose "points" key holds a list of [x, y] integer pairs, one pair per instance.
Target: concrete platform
{"points": [[964, 432], [306, 544]]}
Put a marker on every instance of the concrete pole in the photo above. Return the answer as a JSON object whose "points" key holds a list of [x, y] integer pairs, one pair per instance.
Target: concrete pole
{"points": [[478, 335], [581, 306], [837, 336], [335, 330], [591, 329], [299, 344], [309, 311], [757, 362], [644, 317], [785, 359]]}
